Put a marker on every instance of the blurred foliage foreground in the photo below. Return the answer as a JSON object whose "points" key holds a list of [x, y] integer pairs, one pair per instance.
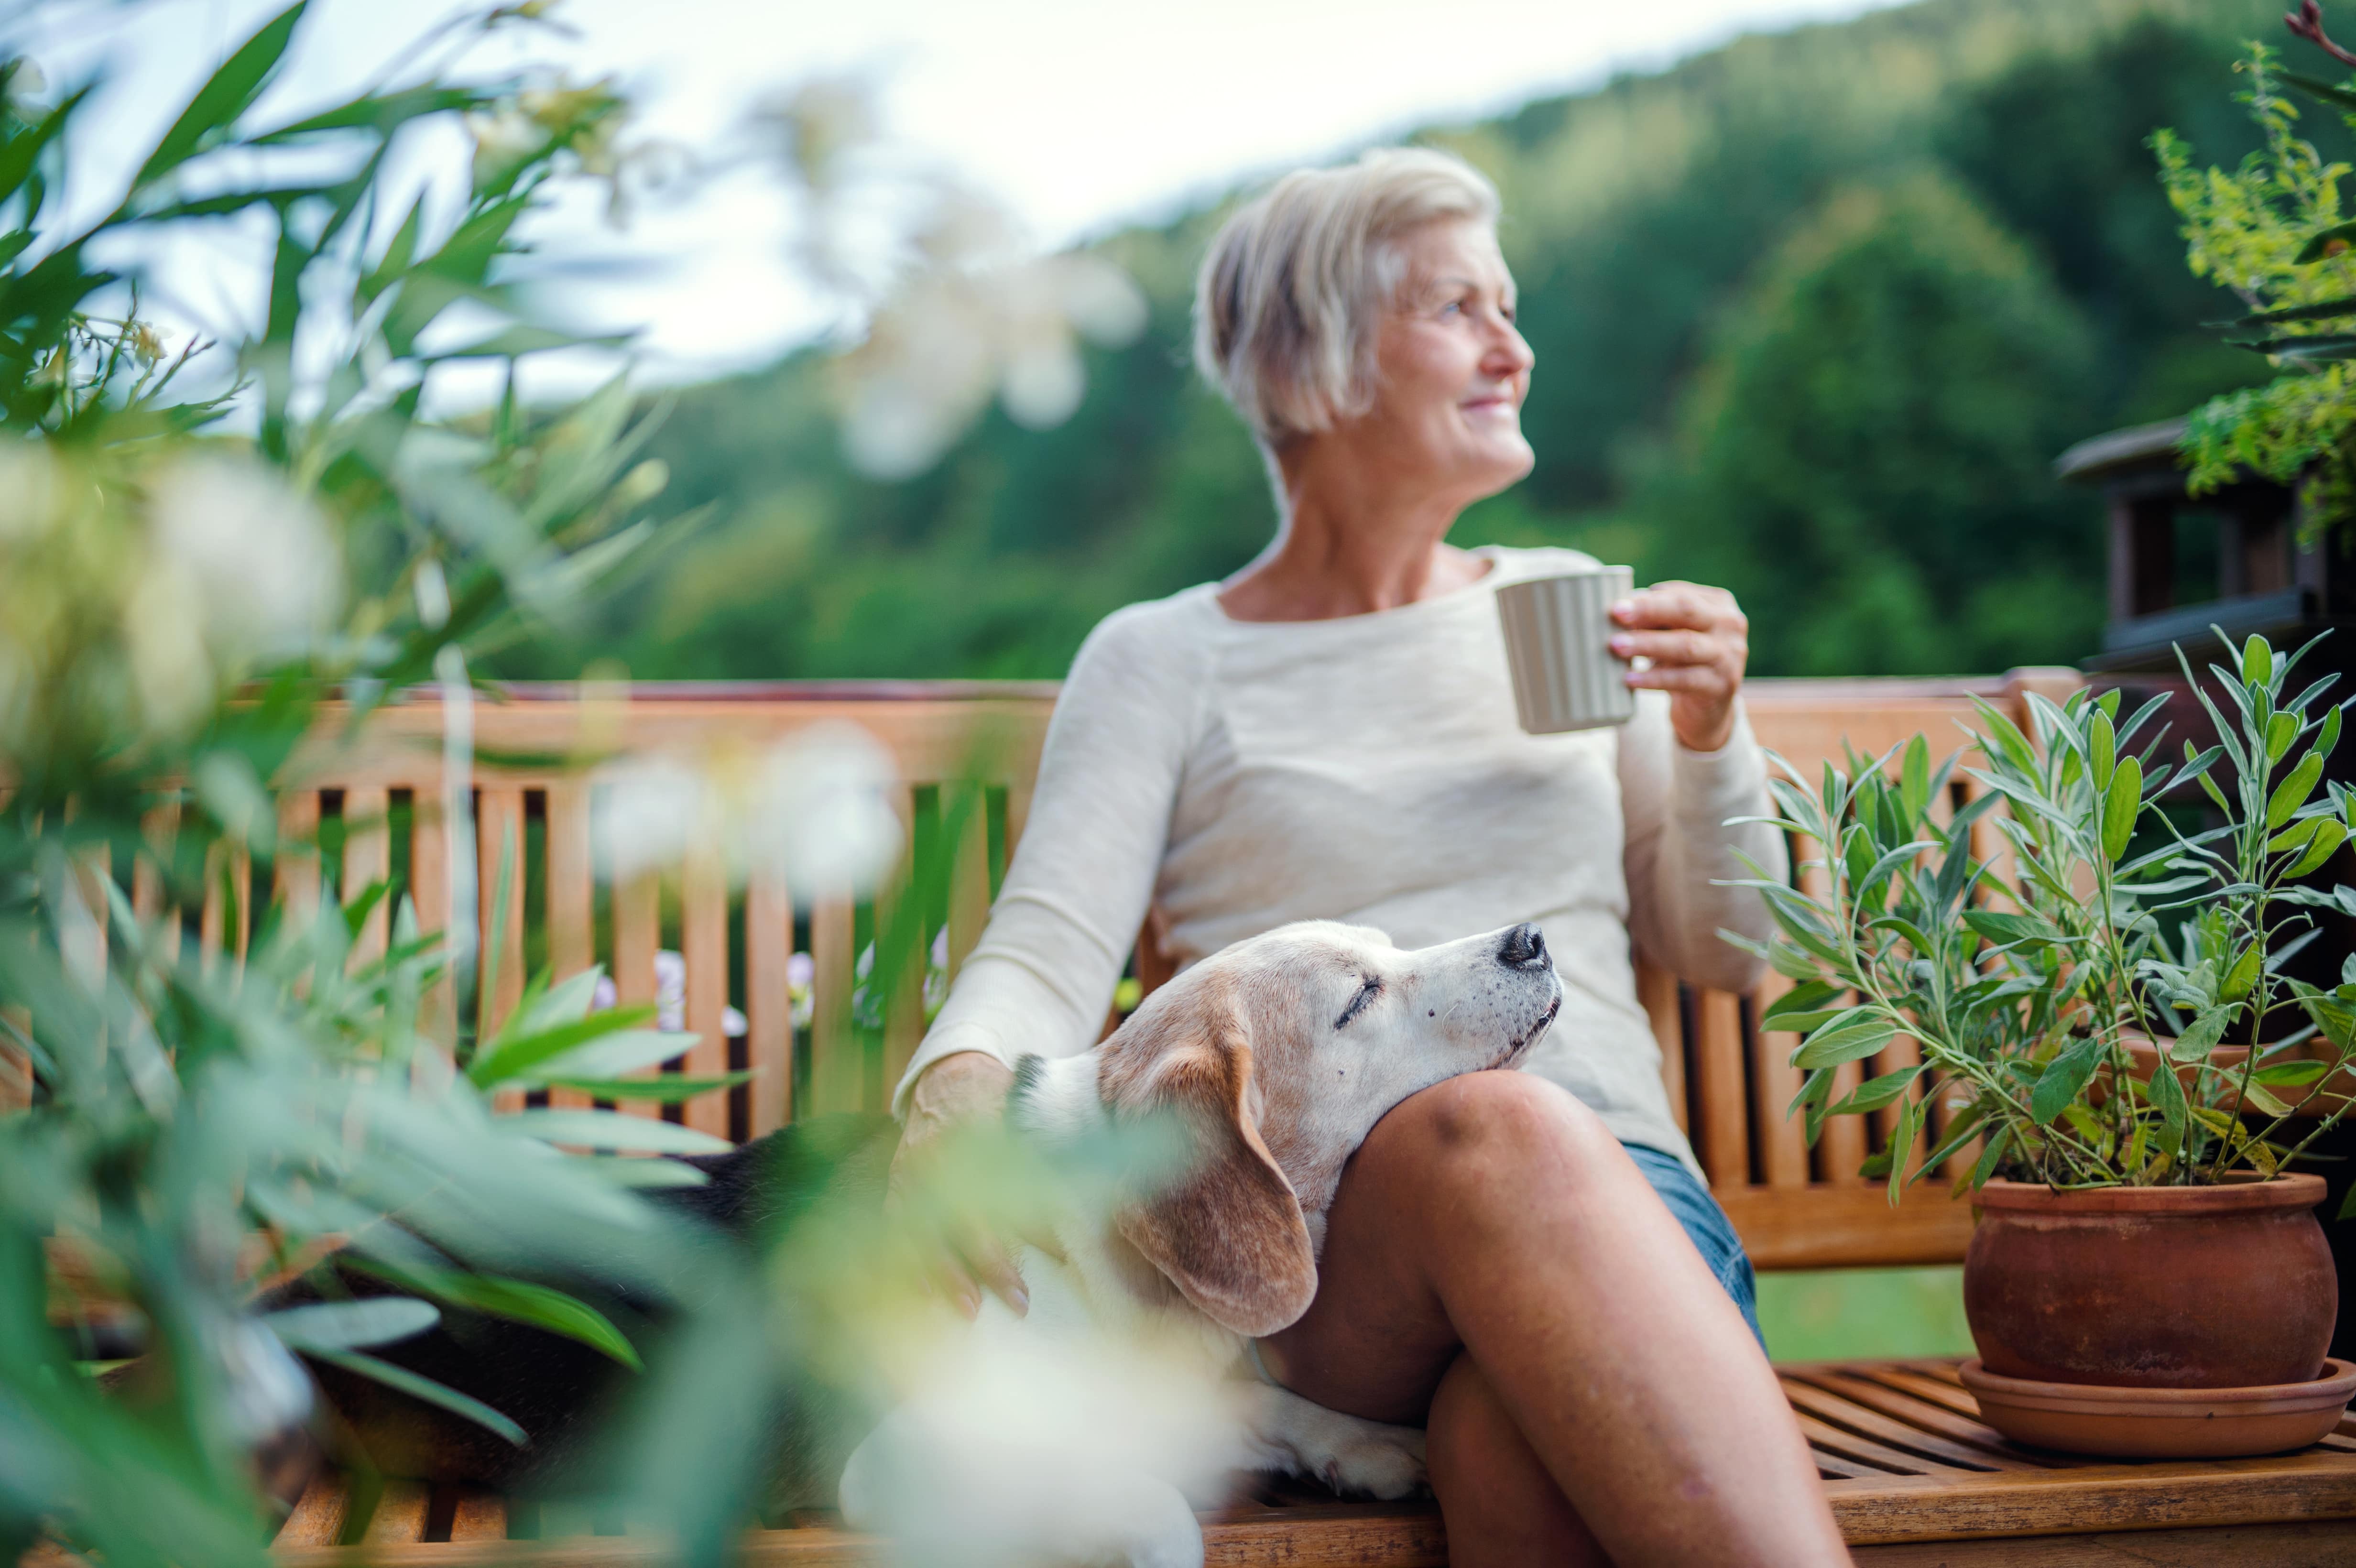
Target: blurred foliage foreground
{"points": [[200, 544]]}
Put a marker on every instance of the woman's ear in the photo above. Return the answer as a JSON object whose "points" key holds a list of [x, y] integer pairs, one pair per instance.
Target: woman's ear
{"points": [[1229, 1230]]}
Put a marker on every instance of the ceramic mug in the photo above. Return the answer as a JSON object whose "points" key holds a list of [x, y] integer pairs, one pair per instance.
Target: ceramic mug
{"points": [[1558, 645]]}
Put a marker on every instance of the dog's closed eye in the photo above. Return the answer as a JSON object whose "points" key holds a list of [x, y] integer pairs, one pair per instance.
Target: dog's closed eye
{"points": [[1361, 1002]]}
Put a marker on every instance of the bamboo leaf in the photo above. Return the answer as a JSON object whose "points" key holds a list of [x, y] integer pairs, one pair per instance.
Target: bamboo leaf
{"points": [[607, 1129], [225, 96], [325, 1326], [426, 1388]]}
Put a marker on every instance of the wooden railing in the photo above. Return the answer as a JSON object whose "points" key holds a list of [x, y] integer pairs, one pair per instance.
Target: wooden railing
{"points": [[966, 754]]}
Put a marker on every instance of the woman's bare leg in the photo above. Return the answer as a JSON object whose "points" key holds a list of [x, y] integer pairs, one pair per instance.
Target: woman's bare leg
{"points": [[1503, 1509], [1494, 1215]]}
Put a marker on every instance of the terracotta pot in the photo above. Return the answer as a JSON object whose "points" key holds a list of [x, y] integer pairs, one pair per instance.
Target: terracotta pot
{"points": [[2162, 1422], [2189, 1287]]}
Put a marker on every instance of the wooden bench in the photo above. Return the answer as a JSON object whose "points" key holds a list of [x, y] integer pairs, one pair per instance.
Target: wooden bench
{"points": [[1914, 1475]]}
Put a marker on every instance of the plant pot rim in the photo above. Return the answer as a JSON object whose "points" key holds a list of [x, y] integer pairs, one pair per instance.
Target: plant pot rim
{"points": [[2242, 1192], [2332, 1389]]}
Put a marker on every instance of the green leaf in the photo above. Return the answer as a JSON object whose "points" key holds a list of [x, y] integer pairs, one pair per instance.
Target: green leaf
{"points": [[2318, 244], [2243, 974], [2281, 731], [1806, 998], [2328, 737], [517, 1300], [2328, 837], [2321, 309], [326, 1326], [1959, 1132], [2257, 661], [2007, 929], [1902, 1144], [1857, 1034], [510, 1057], [663, 1086], [228, 94], [610, 1129], [2167, 1097], [1876, 1092], [2292, 792], [2122, 804], [2104, 750], [426, 1388], [2202, 1037], [2064, 1079], [1989, 1157], [22, 150], [1914, 777], [2290, 1075]]}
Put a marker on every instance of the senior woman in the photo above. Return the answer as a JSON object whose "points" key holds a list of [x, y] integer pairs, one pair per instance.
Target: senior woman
{"points": [[1525, 1261]]}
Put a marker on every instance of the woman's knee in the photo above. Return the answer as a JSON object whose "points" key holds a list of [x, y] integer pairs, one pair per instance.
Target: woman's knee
{"points": [[1488, 1124]]}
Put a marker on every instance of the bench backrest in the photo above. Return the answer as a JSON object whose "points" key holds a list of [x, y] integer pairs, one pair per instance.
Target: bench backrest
{"points": [[966, 754]]}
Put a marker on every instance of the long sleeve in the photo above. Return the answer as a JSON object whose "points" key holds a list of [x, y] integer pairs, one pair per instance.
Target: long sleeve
{"points": [[1678, 804], [1042, 976]]}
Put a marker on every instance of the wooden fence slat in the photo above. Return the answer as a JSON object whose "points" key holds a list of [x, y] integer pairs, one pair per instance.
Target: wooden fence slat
{"points": [[1783, 1136], [769, 999], [1724, 1145], [903, 1008], [296, 867], [160, 828], [479, 1515], [499, 843], [319, 1513], [838, 1076], [704, 943], [429, 882], [969, 868], [637, 930], [1657, 988], [570, 899], [400, 1517], [367, 859]]}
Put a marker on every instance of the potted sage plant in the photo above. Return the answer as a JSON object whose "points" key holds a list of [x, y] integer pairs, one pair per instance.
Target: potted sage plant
{"points": [[2108, 1047]]}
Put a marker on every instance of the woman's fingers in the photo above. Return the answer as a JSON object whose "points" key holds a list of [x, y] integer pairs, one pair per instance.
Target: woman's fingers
{"points": [[1670, 647], [1690, 605]]}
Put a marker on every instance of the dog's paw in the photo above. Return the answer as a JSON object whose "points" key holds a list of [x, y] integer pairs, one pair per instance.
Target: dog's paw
{"points": [[1380, 1461]]}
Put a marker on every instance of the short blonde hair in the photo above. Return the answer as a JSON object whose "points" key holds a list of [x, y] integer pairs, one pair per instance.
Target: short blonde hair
{"points": [[1284, 305]]}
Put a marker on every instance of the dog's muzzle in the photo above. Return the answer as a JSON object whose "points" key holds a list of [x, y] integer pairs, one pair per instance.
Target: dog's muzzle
{"points": [[1523, 948]]}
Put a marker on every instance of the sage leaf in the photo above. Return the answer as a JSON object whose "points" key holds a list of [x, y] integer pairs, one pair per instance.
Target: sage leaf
{"points": [[1876, 1092], [1856, 1035], [2328, 839], [2105, 750], [2122, 804], [2292, 792], [2064, 1079]]}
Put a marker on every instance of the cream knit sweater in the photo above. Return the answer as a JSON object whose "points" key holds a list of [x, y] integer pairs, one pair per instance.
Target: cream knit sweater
{"points": [[1369, 769]]}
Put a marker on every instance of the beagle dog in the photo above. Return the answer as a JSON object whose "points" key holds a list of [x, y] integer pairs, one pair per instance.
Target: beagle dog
{"points": [[1089, 1430]]}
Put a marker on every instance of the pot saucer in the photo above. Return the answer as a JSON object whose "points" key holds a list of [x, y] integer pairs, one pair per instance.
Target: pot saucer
{"points": [[2162, 1422]]}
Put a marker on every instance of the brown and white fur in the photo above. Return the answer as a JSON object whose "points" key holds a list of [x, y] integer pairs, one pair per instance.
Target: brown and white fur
{"points": [[1086, 1431]]}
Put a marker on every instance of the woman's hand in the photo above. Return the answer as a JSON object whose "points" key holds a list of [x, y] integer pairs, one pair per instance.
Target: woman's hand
{"points": [[961, 1091], [1698, 641]]}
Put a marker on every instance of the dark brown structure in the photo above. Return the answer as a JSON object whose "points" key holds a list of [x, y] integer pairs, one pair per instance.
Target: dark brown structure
{"points": [[2180, 564]]}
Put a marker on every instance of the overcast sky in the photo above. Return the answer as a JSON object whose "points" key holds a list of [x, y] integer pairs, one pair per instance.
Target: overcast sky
{"points": [[1080, 114]]}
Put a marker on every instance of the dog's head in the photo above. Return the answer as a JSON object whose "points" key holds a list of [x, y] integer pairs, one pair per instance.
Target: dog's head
{"points": [[1277, 1056]]}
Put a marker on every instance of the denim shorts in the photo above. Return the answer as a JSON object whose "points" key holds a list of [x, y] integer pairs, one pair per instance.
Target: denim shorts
{"points": [[1712, 1232]]}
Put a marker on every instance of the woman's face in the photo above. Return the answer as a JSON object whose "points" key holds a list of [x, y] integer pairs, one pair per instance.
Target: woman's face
{"points": [[1451, 368]]}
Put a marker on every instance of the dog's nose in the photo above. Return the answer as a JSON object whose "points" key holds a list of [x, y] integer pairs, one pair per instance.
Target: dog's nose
{"points": [[1525, 948]]}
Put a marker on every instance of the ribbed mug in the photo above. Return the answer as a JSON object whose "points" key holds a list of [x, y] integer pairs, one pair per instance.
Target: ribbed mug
{"points": [[1558, 643]]}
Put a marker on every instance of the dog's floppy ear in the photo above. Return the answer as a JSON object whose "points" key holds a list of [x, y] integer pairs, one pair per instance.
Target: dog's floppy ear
{"points": [[1228, 1232]]}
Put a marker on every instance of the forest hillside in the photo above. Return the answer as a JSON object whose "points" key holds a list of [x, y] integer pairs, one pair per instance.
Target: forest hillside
{"points": [[1814, 312]]}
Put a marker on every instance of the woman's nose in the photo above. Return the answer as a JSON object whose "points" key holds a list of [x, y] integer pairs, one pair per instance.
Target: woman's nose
{"points": [[1509, 353]]}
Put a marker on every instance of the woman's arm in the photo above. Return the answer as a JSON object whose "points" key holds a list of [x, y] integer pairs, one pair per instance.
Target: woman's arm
{"points": [[1042, 978], [1686, 765], [1677, 802]]}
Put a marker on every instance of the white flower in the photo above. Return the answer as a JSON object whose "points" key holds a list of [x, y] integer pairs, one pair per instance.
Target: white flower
{"points": [[816, 808], [257, 557]]}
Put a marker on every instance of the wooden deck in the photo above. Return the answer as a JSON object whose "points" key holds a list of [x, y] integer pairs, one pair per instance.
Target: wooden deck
{"points": [[1914, 1479]]}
